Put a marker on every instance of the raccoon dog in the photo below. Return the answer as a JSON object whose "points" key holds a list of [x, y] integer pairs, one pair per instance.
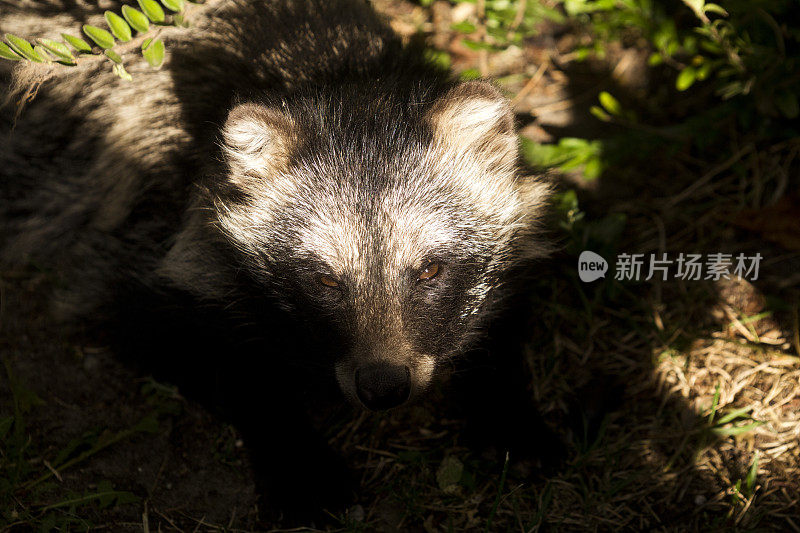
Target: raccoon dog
{"points": [[294, 199]]}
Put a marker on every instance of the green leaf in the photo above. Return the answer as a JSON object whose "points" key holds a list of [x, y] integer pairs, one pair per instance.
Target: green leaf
{"points": [[655, 59], [714, 8], [136, 19], [437, 57], [173, 5], [77, 43], [598, 112], [541, 155], [470, 74], [58, 49], [41, 51], [99, 36], [118, 26], [113, 56], [153, 52], [476, 45], [610, 103], [704, 71], [566, 201], [464, 27], [733, 415], [711, 47], [449, 473], [714, 404], [7, 53], [153, 10], [593, 169], [23, 48], [685, 79]]}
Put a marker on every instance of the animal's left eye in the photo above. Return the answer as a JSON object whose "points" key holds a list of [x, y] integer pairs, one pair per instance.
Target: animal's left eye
{"points": [[328, 281], [429, 271]]}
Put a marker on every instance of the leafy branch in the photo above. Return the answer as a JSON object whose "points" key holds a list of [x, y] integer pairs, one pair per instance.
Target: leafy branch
{"points": [[74, 50]]}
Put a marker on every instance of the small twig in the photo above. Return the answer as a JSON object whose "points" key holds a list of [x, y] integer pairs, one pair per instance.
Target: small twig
{"points": [[53, 470], [170, 522], [737, 324], [733, 56], [533, 82], [233, 518], [518, 18], [376, 451], [145, 519], [158, 475]]}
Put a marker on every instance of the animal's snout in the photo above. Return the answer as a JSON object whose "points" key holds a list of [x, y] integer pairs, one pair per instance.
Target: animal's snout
{"points": [[382, 386]]}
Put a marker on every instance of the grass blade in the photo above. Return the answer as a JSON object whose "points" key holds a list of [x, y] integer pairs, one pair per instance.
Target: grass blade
{"points": [[736, 430], [733, 415], [499, 495]]}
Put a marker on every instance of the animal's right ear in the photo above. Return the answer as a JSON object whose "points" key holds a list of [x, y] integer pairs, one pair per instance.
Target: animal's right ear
{"points": [[474, 116], [256, 139]]}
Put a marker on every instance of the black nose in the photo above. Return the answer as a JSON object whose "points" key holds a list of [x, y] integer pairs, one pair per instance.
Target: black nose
{"points": [[383, 386]]}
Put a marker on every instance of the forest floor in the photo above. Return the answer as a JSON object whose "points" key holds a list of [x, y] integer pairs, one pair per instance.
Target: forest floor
{"points": [[704, 432]]}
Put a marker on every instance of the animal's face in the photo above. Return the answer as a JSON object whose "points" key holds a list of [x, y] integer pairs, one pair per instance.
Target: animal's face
{"points": [[386, 228]]}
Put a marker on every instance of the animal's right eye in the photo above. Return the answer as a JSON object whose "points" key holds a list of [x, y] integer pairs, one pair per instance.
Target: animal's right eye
{"points": [[429, 271], [328, 281]]}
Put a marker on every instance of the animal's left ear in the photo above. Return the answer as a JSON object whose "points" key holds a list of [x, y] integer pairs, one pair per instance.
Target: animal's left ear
{"points": [[256, 140], [475, 116]]}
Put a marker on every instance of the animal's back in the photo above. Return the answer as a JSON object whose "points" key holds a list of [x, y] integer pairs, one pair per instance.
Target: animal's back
{"points": [[96, 172]]}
